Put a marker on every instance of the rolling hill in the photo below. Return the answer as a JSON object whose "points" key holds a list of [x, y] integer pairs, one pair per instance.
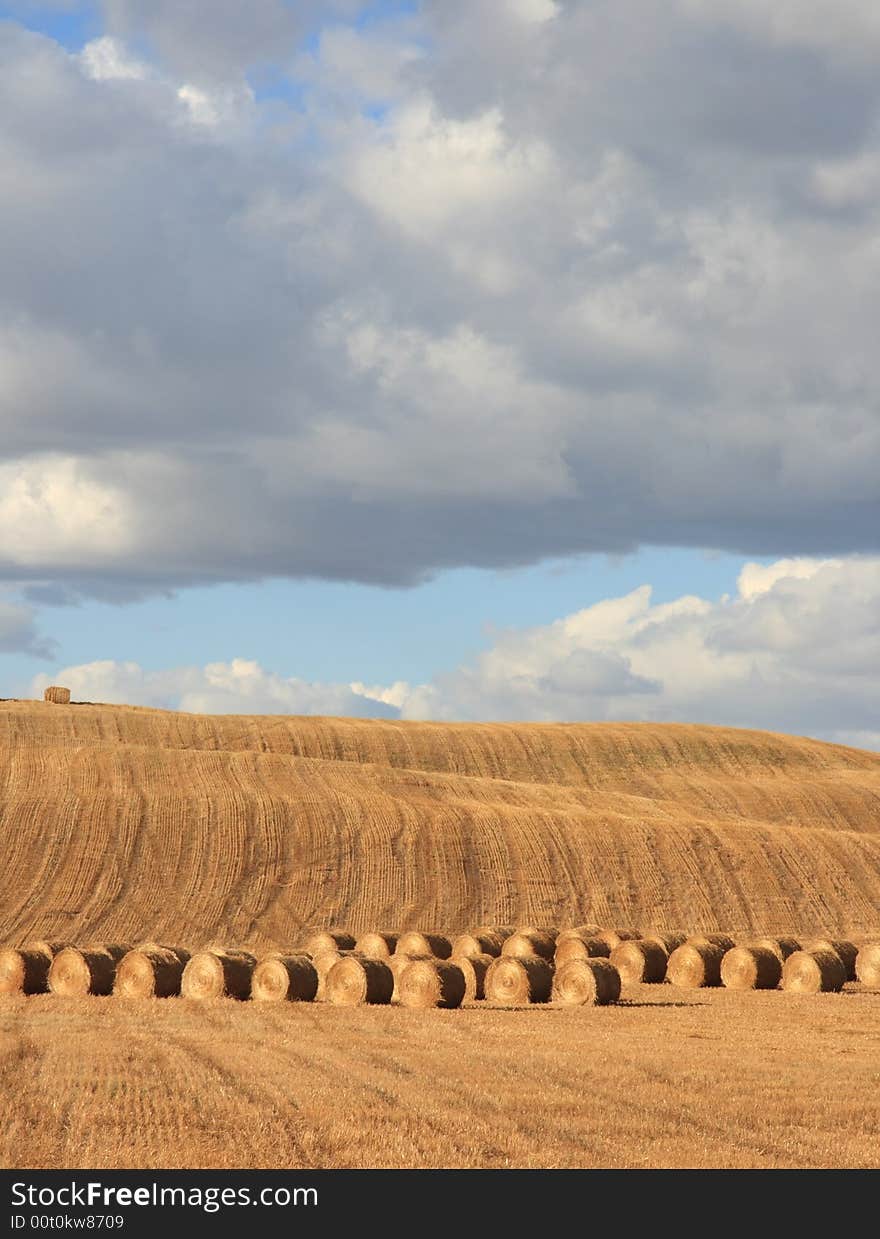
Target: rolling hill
{"points": [[121, 823]]}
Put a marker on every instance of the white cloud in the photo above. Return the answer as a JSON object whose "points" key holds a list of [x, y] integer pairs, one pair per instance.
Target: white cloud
{"points": [[240, 686], [106, 59], [476, 285], [796, 650], [52, 507]]}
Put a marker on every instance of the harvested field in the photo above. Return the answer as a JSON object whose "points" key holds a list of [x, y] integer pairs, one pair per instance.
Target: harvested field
{"points": [[252, 837], [672, 1078], [124, 823]]}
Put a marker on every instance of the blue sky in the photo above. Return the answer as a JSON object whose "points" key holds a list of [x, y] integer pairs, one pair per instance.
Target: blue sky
{"points": [[336, 631], [316, 318]]}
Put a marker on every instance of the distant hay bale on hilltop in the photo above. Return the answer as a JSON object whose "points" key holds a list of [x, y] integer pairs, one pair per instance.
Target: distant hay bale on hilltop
{"points": [[57, 695]]}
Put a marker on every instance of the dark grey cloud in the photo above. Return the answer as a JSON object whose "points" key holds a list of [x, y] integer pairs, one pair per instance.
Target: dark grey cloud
{"points": [[497, 282], [19, 633]]}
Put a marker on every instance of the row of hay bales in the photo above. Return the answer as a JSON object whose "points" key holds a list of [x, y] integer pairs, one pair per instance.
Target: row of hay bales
{"points": [[505, 965]]}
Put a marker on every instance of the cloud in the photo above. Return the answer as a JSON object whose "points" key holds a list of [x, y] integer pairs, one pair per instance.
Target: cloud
{"points": [[19, 633], [288, 293], [237, 687], [796, 649]]}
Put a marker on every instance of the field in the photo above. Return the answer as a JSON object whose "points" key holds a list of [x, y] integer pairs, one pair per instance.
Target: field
{"points": [[121, 824], [668, 1078]]}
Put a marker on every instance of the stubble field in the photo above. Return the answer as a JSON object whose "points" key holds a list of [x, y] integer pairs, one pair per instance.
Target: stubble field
{"points": [[121, 824], [667, 1078]]}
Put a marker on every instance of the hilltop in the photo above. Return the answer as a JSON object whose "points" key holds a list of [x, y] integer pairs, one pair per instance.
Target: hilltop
{"points": [[122, 822]]}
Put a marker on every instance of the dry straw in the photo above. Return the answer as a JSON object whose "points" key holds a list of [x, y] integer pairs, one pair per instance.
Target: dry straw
{"points": [[577, 931], [868, 965], [751, 967], [353, 981], [723, 940], [670, 941], [474, 968], [431, 983], [477, 942], [376, 945], [25, 970], [284, 978], [813, 972], [640, 962], [397, 963], [526, 943], [327, 940], [57, 695], [218, 974], [150, 972], [695, 964], [783, 947], [322, 963], [580, 948], [75, 973], [415, 943], [515, 981], [613, 937], [497, 931], [848, 952], [586, 982]]}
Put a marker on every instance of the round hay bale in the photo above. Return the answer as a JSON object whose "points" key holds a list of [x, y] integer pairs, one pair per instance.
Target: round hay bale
{"points": [[516, 980], [477, 942], [149, 972], [613, 937], [474, 969], [218, 974], [327, 940], [528, 943], [580, 948], [376, 945], [783, 947], [74, 973], [284, 978], [670, 941], [57, 695], [322, 963], [353, 981], [415, 943], [432, 982], [577, 931], [586, 982], [695, 964], [848, 952], [397, 963], [868, 965], [751, 967], [25, 970], [642, 961], [813, 972], [723, 940], [498, 931]]}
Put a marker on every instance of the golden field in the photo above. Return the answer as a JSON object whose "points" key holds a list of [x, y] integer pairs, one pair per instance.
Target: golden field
{"points": [[120, 824], [667, 1078]]}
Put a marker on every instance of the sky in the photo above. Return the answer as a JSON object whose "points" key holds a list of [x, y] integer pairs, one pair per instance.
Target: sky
{"points": [[454, 359]]}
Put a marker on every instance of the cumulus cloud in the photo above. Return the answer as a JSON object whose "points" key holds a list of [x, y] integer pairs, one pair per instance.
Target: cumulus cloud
{"points": [[240, 686], [796, 649], [287, 293]]}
